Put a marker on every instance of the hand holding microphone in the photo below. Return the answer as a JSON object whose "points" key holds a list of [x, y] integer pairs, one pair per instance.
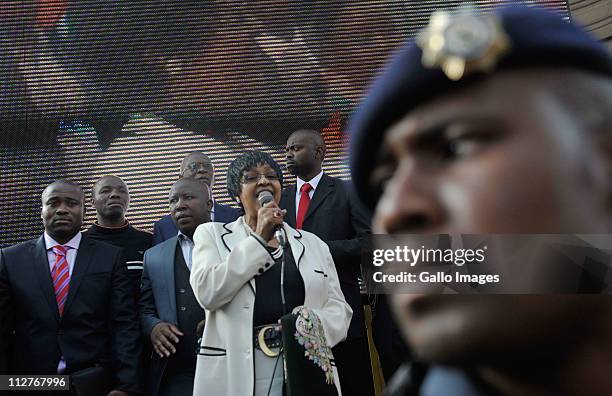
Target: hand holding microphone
{"points": [[270, 218]]}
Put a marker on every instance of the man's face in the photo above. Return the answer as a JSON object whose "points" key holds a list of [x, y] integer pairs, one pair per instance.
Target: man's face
{"points": [[62, 211], [190, 205], [301, 154], [501, 156], [111, 198], [198, 166]]}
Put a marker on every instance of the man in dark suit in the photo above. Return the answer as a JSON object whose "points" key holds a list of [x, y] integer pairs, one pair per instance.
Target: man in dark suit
{"points": [[325, 206], [196, 165], [73, 304], [170, 323]]}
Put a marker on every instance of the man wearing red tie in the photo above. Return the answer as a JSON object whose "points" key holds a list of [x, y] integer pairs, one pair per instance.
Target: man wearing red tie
{"points": [[71, 299], [325, 206]]}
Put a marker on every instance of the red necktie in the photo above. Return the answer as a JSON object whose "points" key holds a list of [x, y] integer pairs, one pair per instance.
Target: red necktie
{"points": [[304, 204], [60, 276]]}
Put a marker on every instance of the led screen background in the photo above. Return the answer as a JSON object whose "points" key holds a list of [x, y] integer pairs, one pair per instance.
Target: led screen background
{"points": [[98, 87]]}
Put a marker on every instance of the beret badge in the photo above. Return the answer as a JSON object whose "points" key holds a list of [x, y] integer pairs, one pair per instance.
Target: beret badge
{"points": [[463, 43]]}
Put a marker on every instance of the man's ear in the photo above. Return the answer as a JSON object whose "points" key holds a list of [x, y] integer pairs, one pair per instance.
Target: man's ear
{"points": [[209, 205], [320, 152]]}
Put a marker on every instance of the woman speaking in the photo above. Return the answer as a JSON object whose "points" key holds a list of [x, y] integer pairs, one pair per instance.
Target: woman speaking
{"points": [[250, 273]]}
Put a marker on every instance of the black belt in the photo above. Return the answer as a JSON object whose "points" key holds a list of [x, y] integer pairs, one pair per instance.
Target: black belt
{"points": [[267, 337]]}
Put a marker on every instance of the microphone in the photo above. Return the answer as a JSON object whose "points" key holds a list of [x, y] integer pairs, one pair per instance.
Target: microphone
{"points": [[263, 198]]}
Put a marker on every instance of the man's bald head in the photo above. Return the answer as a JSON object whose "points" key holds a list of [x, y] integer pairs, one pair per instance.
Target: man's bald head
{"points": [[314, 137], [199, 166], [190, 204], [305, 152], [111, 198], [64, 184], [105, 180], [62, 210]]}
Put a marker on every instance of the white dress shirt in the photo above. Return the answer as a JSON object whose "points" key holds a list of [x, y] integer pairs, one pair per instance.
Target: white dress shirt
{"points": [[70, 254], [186, 247], [314, 182]]}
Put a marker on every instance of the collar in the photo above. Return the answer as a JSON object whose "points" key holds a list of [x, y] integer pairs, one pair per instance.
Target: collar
{"points": [[182, 237], [314, 182], [111, 230], [73, 243]]}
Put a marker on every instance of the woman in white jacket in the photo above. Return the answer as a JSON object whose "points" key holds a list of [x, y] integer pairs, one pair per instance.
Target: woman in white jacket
{"points": [[245, 281]]}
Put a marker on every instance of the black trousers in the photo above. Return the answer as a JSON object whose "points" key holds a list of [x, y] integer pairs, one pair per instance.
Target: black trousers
{"points": [[354, 368], [177, 384]]}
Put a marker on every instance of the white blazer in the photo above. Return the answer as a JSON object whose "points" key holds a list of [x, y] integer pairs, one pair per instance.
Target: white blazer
{"points": [[225, 261]]}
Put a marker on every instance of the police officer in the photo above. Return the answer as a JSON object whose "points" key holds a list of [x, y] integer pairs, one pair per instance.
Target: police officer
{"points": [[490, 125]]}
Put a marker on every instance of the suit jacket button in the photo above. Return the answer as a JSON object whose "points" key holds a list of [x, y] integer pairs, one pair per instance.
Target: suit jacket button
{"points": [[181, 290], [183, 308], [267, 265], [60, 332], [261, 271]]}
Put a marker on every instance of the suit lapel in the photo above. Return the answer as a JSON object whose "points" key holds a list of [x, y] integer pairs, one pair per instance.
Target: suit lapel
{"points": [[297, 247], [168, 255], [43, 274], [81, 264], [325, 187], [235, 233], [288, 202]]}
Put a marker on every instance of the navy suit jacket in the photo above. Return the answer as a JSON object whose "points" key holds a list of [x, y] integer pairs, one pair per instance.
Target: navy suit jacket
{"points": [[165, 228], [336, 216], [100, 320]]}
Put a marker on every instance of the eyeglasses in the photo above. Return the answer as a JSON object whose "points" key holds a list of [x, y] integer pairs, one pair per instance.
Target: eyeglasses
{"points": [[195, 166], [250, 179]]}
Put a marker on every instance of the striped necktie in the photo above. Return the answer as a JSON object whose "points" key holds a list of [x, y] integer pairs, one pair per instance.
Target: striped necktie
{"points": [[61, 276]]}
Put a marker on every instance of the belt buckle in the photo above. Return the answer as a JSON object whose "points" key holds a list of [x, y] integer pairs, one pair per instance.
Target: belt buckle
{"points": [[262, 342]]}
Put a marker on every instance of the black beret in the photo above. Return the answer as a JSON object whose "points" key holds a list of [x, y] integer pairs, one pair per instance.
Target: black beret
{"points": [[535, 38]]}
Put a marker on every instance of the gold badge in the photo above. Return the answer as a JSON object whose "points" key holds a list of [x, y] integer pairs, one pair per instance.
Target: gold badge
{"points": [[462, 43]]}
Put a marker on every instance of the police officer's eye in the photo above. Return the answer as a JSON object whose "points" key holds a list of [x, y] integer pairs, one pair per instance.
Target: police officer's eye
{"points": [[464, 145], [172, 201]]}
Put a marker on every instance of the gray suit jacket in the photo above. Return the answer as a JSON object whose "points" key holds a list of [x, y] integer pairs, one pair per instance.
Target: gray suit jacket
{"points": [[157, 301]]}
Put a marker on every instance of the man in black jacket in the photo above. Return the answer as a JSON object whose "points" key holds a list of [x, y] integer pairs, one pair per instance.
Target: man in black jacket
{"points": [[110, 197], [73, 303], [325, 206]]}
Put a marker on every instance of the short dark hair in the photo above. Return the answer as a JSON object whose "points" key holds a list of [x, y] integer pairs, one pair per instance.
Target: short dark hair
{"points": [[65, 182], [95, 185], [315, 136], [243, 163]]}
